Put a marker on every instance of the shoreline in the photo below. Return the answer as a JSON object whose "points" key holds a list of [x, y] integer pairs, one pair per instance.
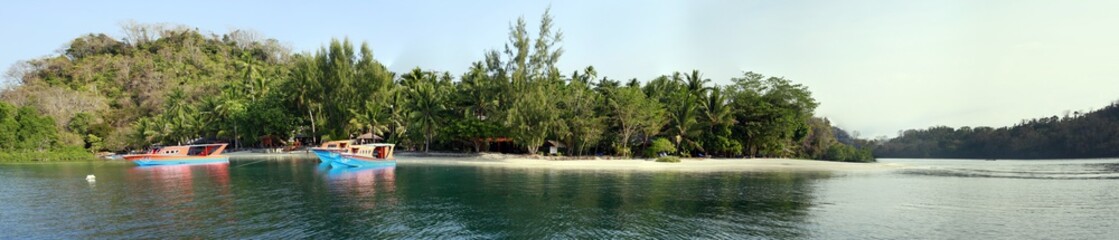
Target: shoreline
{"points": [[685, 165], [518, 161], [586, 163]]}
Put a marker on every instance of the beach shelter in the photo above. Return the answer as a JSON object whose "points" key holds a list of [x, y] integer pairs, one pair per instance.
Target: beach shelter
{"points": [[554, 146], [369, 137]]}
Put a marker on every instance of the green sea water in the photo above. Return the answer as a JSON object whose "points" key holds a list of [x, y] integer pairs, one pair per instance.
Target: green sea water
{"points": [[300, 198]]}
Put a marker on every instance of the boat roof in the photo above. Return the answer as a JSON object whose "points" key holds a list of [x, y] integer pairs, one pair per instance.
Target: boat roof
{"points": [[211, 144], [379, 145], [195, 145]]}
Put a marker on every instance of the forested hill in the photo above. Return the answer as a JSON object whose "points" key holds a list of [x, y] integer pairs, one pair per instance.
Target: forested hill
{"points": [[110, 93], [170, 85], [1091, 135]]}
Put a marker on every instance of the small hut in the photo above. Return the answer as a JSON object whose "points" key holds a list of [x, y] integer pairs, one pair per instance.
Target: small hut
{"points": [[368, 138], [499, 144], [554, 146], [271, 141]]}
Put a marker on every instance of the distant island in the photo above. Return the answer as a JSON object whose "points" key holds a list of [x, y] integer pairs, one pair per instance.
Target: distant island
{"points": [[162, 84], [1083, 135]]}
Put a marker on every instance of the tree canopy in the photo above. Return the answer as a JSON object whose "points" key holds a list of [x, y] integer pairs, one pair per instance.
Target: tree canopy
{"points": [[172, 84]]}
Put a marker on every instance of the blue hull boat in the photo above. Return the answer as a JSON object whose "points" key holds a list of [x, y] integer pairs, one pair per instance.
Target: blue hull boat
{"points": [[349, 162], [330, 151], [327, 156]]}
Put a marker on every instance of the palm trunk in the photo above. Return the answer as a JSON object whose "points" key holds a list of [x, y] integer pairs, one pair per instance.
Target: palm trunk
{"points": [[236, 137], [477, 145], [314, 134], [427, 141]]}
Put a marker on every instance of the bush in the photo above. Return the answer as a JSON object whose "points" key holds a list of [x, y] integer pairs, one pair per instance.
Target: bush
{"points": [[621, 151], [847, 153], [668, 159], [660, 145], [60, 155]]}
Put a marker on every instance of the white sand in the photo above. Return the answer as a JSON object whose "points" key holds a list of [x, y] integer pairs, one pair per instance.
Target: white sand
{"points": [[686, 165]]}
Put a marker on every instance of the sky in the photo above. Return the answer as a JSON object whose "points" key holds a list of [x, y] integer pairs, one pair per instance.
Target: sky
{"points": [[876, 67]]}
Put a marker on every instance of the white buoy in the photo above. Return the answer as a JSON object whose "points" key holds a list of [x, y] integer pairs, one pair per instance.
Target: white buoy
{"points": [[90, 178]]}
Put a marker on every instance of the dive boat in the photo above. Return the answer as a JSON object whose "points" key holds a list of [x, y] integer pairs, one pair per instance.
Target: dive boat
{"points": [[330, 151], [367, 155], [185, 154]]}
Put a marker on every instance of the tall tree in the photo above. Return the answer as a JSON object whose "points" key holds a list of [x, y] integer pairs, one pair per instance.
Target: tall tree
{"points": [[584, 123], [772, 113], [427, 102], [476, 105], [717, 118], [531, 115], [305, 87], [634, 113]]}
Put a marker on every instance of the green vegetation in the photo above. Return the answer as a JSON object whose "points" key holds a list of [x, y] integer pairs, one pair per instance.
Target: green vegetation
{"points": [[1090, 135], [54, 155], [668, 159], [26, 135], [661, 146], [171, 85]]}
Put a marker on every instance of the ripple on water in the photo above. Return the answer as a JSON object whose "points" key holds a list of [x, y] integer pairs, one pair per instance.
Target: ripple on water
{"points": [[1025, 170]]}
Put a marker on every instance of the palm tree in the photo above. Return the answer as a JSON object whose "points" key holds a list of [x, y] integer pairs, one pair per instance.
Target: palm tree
{"points": [[697, 85], [683, 101], [683, 128], [145, 131], [371, 118], [211, 117], [305, 83], [426, 103], [478, 93], [398, 116], [717, 117], [179, 117], [253, 83], [716, 109]]}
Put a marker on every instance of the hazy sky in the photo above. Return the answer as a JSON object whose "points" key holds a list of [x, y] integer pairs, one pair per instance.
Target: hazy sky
{"points": [[876, 66]]}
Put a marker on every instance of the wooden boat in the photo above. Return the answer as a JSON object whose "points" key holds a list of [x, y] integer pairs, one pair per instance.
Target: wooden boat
{"points": [[185, 154], [368, 155], [332, 150]]}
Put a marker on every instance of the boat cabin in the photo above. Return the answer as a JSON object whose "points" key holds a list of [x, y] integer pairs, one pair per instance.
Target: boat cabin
{"points": [[337, 144], [198, 150], [190, 150], [376, 150]]}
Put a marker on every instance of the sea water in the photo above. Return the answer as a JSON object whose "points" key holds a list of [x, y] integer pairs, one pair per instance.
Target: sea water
{"points": [[300, 198]]}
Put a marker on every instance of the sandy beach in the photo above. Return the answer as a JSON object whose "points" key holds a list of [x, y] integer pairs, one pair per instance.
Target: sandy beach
{"points": [[686, 165]]}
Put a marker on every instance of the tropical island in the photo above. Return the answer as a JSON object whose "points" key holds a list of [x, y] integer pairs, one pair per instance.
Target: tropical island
{"points": [[164, 84]]}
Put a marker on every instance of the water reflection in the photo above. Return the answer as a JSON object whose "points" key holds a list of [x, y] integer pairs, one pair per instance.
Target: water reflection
{"points": [[364, 184], [297, 198], [186, 197], [182, 176], [323, 167]]}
